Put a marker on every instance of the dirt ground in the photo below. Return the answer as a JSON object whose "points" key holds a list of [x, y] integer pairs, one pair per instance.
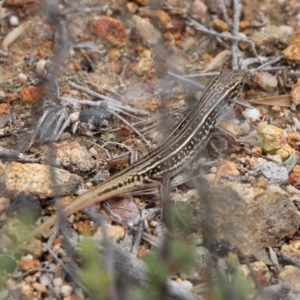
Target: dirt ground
{"points": [[88, 87]]}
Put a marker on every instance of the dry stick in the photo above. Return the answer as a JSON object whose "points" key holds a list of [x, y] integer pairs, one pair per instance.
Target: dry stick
{"points": [[80, 9], [201, 74], [104, 103], [294, 261], [237, 9], [39, 125], [17, 156], [132, 127], [228, 36], [268, 63], [224, 12], [110, 101], [180, 77]]}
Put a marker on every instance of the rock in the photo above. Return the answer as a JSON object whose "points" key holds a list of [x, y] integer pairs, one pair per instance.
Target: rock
{"points": [[71, 156], [110, 29], [260, 270], [230, 126], [4, 109], [198, 9], [227, 168], [266, 81], [202, 258], [145, 63], [294, 178], [29, 263], [293, 139], [157, 15], [277, 174], [285, 151], [35, 179], [295, 94], [113, 232], [247, 216], [32, 94], [272, 137], [290, 278], [220, 25], [146, 30], [292, 52], [272, 35], [292, 249], [26, 208]]}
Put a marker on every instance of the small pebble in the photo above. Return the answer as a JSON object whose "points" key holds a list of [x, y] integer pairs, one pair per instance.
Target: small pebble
{"points": [[288, 30], [66, 290], [57, 281], [13, 21], [245, 128], [198, 9], [40, 67], [253, 114], [22, 77], [52, 267], [266, 81], [45, 279]]}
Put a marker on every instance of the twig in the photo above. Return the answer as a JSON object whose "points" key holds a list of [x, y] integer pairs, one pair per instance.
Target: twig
{"points": [[266, 64], [228, 36], [80, 9], [201, 74], [224, 12], [132, 127], [294, 261], [237, 9], [137, 239], [180, 77], [266, 61], [16, 156], [109, 100]]}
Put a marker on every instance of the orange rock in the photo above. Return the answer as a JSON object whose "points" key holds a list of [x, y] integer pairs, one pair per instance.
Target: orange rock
{"points": [[142, 252], [220, 25], [293, 139], [27, 264], [110, 29], [114, 54], [39, 287], [295, 94], [244, 25], [41, 53], [292, 52], [85, 228], [4, 109], [153, 107], [142, 2], [294, 178], [227, 168], [19, 2], [48, 45], [156, 14], [32, 94]]}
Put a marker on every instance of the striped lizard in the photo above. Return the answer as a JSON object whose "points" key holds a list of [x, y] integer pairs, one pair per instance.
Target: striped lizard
{"points": [[172, 156]]}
